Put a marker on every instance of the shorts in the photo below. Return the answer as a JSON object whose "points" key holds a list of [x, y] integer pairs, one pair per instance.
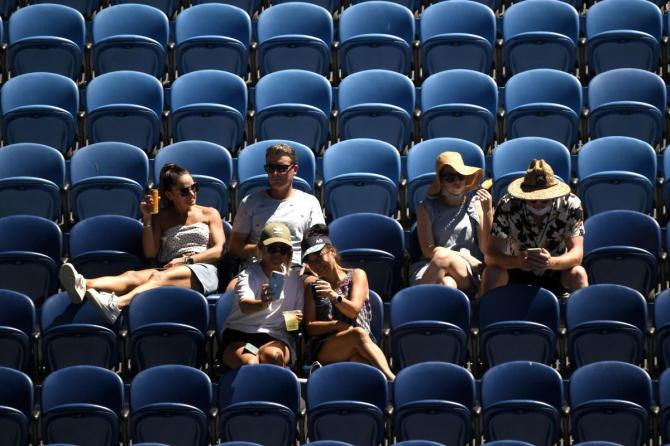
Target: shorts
{"points": [[550, 280], [208, 276], [230, 336], [417, 269]]}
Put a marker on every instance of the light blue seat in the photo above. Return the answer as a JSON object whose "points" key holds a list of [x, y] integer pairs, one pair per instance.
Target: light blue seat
{"points": [[491, 4], [249, 6], [168, 7], [47, 37], [617, 172], [212, 36], [31, 179], [209, 105], [85, 7], [40, 108], [330, 5], [108, 178], [457, 35]]}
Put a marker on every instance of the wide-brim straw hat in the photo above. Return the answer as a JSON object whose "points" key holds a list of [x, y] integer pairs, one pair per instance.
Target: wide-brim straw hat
{"points": [[473, 175], [539, 183]]}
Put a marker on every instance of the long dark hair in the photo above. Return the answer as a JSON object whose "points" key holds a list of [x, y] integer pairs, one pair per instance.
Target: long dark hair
{"points": [[321, 229], [169, 176]]}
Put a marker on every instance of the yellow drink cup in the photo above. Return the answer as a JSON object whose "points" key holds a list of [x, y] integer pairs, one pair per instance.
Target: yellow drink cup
{"points": [[156, 200], [291, 320]]}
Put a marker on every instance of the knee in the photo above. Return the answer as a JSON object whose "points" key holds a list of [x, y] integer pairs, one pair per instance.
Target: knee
{"points": [[130, 276], [360, 335], [442, 258], [576, 277], [271, 355], [157, 277]]}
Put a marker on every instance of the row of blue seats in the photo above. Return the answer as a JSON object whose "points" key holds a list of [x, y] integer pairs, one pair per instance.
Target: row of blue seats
{"points": [[172, 404]]}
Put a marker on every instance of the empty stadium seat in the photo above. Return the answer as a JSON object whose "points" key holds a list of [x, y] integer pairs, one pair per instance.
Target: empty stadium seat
{"points": [[85, 7], [17, 323], [664, 403], [662, 328], [168, 7], [16, 406], [249, 6]]}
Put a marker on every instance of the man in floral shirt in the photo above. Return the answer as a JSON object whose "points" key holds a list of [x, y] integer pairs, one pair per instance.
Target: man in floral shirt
{"points": [[537, 236]]}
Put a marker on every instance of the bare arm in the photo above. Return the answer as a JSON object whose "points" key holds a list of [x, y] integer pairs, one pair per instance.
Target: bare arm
{"points": [[424, 229], [571, 258], [240, 248], [314, 327], [217, 239], [151, 232], [359, 294], [495, 255], [485, 211]]}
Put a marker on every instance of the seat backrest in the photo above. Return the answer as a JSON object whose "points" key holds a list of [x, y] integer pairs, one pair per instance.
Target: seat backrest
{"points": [[260, 382], [620, 153], [519, 302], [366, 230], [294, 87], [209, 87], [662, 309], [347, 381], [47, 19], [223, 307], [125, 87], [40, 89], [57, 310], [434, 381], [83, 384], [213, 19], [169, 304], [544, 16], [362, 155], [460, 87], [438, 303], [377, 17], [295, 19], [389, 88], [664, 389], [610, 380], [171, 384], [131, 19], [619, 15], [16, 391], [251, 160], [606, 302], [622, 228], [32, 160], [543, 86], [115, 159], [421, 157], [106, 232], [198, 157], [458, 18], [377, 318], [17, 311], [516, 154], [33, 234], [627, 85]]}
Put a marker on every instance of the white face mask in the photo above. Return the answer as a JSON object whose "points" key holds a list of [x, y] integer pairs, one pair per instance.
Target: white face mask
{"points": [[541, 211], [454, 197]]}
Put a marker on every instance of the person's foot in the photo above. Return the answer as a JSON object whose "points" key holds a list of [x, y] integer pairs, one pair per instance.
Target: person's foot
{"points": [[106, 303], [72, 282]]}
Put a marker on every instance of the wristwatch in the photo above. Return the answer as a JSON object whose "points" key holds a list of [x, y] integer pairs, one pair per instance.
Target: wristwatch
{"points": [[189, 260]]}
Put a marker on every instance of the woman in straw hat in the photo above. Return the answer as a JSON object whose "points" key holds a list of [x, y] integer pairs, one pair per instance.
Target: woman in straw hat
{"points": [[537, 236], [453, 226]]}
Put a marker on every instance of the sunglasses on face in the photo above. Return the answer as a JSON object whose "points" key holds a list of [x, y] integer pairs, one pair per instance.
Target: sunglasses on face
{"points": [[184, 191], [279, 168], [279, 248], [450, 177]]}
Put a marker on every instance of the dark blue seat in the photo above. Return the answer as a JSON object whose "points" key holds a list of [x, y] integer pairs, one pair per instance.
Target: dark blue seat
{"points": [[543, 102], [459, 104], [606, 323], [522, 400], [457, 35], [376, 34], [212, 36], [108, 178], [346, 402], [47, 37], [622, 247], [662, 326], [82, 405], [30, 252], [418, 443], [168, 7], [17, 323], [209, 105], [610, 401], [124, 106], [434, 401], [77, 335], [224, 304], [436, 330], [514, 443], [16, 406], [664, 403], [167, 325], [294, 35], [518, 323], [360, 175], [211, 166], [40, 108], [169, 404], [31, 179], [627, 102], [384, 112], [293, 105], [540, 34], [259, 395]]}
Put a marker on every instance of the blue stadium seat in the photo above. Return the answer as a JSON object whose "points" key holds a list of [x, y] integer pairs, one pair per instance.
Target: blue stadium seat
{"points": [[522, 400], [107, 178], [16, 406], [664, 403], [6, 8], [167, 325], [492, 4], [82, 405], [518, 323], [249, 6], [330, 5], [124, 106], [293, 105], [436, 330], [212, 36], [376, 34], [459, 104], [514, 443], [17, 323], [224, 304], [85, 7], [168, 7], [421, 164], [622, 247], [209, 105], [606, 323], [130, 37], [384, 112], [40, 108], [106, 245], [259, 403], [627, 102], [418, 443], [47, 37], [326, 443], [662, 328], [433, 401], [540, 34], [610, 401], [543, 102], [211, 166], [346, 402], [457, 35], [377, 316], [76, 335], [412, 5], [511, 160], [617, 172], [170, 404], [360, 175], [294, 35], [623, 34], [30, 251], [31, 179]]}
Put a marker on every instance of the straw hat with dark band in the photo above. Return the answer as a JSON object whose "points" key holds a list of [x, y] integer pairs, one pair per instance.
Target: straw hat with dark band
{"points": [[473, 175], [539, 183]]}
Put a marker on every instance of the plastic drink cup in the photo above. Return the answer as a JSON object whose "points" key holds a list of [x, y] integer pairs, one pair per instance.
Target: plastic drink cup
{"points": [[291, 321], [156, 199]]}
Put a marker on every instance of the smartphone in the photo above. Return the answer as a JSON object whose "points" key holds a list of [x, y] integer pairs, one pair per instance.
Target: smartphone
{"points": [[250, 348], [276, 284], [534, 250]]}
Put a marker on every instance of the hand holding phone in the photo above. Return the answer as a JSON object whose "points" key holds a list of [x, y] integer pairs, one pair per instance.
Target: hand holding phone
{"points": [[276, 284]]}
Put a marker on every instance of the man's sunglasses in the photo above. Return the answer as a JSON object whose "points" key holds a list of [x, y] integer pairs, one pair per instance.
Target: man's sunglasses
{"points": [[451, 177], [279, 248], [280, 168], [184, 191]]}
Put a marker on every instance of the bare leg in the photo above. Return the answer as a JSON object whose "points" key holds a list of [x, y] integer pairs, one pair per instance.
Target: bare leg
{"points": [[274, 352], [354, 343], [493, 277], [447, 268], [175, 276], [234, 356], [122, 283], [574, 278]]}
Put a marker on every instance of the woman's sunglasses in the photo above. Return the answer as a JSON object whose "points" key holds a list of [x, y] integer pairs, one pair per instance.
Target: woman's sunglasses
{"points": [[451, 177], [279, 168], [279, 248], [184, 191]]}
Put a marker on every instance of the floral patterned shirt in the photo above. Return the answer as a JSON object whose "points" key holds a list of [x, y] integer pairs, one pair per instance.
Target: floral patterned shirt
{"points": [[512, 221]]}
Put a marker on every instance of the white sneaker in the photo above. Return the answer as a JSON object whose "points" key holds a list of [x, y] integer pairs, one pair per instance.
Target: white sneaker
{"points": [[72, 282], [106, 303]]}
